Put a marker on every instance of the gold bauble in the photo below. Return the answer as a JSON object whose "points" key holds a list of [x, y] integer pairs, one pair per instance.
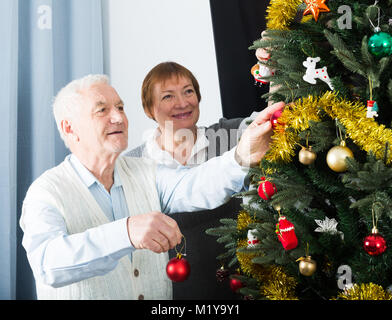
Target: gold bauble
{"points": [[336, 157], [277, 207], [307, 155], [307, 266]]}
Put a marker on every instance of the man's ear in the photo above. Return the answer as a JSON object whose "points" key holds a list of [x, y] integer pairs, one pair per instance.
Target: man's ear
{"points": [[67, 129]]}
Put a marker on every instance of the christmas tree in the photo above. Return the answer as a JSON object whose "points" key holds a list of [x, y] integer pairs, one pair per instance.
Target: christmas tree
{"points": [[317, 220]]}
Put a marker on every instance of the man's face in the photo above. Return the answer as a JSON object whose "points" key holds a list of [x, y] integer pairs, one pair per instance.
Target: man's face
{"points": [[175, 100], [101, 123]]}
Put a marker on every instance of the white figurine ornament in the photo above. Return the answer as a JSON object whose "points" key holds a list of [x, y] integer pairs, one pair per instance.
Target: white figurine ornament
{"points": [[252, 239], [260, 71], [312, 73], [371, 109]]}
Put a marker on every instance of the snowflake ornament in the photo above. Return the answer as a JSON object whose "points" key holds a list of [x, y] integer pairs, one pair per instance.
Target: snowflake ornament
{"points": [[328, 226]]}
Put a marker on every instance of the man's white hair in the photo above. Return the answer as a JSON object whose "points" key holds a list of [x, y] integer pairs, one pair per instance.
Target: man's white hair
{"points": [[68, 98]]}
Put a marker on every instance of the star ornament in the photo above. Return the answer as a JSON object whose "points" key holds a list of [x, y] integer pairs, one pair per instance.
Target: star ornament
{"points": [[314, 7]]}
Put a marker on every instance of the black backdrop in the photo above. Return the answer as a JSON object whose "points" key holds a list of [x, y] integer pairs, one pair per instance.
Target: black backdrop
{"points": [[236, 24]]}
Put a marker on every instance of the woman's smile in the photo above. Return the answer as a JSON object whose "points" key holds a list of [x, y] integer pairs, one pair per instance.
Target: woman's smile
{"points": [[183, 115]]}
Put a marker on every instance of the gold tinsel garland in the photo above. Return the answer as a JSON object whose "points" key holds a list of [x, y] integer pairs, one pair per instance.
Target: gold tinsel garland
{"points": [[281, 13], [366, 133], [275, 283], [279, 286], [243, 220], [246, 264], [245, 259], [365, 291]]}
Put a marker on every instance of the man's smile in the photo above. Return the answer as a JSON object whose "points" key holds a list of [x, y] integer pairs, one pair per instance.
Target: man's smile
{"points": [[115, 131]]}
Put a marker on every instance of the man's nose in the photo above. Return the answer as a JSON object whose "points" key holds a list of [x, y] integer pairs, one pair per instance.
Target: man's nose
{"points": [[116, 116]]}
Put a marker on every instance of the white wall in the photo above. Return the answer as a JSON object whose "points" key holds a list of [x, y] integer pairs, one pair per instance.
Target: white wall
{"points": [[138, 34]]}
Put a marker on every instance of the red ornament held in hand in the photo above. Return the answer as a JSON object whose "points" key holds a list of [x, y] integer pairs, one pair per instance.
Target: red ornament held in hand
{"points": [[178, 268], [275, 117]]}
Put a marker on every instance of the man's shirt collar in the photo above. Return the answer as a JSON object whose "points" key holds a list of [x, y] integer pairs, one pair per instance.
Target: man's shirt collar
{"points": [[87, 177]]}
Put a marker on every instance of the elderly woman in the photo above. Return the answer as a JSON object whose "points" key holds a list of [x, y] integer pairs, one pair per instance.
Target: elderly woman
{"points": [[171, 97]]}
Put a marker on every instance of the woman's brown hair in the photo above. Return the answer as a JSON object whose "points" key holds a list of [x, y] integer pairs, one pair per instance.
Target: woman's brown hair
{"points": [[160, 73]]}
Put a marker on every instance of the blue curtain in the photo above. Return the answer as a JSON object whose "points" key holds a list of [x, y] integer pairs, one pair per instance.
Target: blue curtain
{"points": [[47, 43], [8, 174]]}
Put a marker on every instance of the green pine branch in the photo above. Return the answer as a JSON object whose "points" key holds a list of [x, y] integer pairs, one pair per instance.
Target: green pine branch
{"points": [[341, 51], [320, 135]]}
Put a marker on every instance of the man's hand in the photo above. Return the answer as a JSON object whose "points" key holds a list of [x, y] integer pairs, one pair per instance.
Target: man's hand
{"points": [[255, 140], [154, 231]]}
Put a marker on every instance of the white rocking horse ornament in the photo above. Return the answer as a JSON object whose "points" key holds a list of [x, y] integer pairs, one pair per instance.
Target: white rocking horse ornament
{"points": [[312, 73]]}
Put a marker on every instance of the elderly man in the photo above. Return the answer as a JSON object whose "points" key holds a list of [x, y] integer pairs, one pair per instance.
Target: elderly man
{"points": [[95, 226]]}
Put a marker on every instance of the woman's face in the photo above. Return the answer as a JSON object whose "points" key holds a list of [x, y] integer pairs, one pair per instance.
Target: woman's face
{"points": [[175, 100]]}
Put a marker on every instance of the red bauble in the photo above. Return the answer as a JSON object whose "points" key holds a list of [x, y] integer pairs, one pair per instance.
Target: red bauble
{"points": [[235, 284], [178, 269], [374, 244], [266, 189], [274, 118], [286, 233]]}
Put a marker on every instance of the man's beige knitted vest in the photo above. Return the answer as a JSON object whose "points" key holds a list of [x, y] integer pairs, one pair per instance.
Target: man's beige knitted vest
{"points": [[62, 188]]}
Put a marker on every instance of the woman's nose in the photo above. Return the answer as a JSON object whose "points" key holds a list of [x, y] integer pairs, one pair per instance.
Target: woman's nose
{"points": [[181, 101]]}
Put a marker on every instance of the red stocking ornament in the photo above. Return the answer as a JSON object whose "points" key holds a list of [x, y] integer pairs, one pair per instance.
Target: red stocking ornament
{"points": [[286, 233]]}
